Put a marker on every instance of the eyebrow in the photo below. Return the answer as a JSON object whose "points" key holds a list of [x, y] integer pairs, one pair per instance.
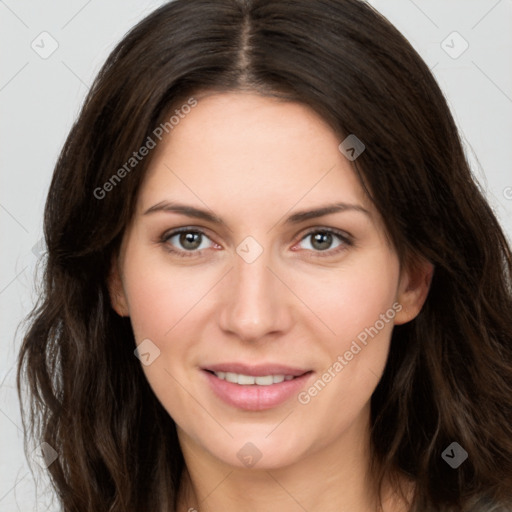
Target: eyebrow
{"points": [[296, 218]]}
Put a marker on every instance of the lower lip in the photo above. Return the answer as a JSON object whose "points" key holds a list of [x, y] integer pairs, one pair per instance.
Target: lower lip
{"points": [[255, 397]]}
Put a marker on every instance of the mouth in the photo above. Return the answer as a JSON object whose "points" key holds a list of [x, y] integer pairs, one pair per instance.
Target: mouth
{"points": [[255, 388], [250, 380]]}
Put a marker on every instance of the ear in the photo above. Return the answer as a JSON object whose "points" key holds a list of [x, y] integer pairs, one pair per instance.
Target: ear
{"points": [[116, 289], [413, 289]]}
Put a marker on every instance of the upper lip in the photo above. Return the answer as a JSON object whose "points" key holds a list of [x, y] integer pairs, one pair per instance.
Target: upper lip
{"points": [[259, 370]]}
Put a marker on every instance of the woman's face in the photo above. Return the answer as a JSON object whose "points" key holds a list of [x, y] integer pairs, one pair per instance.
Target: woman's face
{"points": [[255, 286]]}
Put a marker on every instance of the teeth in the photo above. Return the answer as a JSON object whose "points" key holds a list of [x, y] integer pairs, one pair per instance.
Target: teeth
{"points": [[267, 380], [231, 377], [247, 380]]}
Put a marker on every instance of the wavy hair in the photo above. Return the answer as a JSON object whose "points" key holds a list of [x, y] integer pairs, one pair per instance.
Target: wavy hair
{"points": [[449, 372]]}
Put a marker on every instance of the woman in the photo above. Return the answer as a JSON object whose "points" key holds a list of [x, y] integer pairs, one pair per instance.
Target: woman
{"points": [[272, 283]]}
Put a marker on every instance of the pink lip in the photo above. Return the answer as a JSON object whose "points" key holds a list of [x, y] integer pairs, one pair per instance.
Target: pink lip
{"points": [[255, 397], [256, 370]]}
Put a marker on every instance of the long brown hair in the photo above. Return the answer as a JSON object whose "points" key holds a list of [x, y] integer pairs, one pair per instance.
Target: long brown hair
{"points": [[449, 373]]}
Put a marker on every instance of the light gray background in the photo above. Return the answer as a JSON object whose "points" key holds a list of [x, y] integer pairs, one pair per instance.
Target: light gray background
{"points": [[40, 98]]}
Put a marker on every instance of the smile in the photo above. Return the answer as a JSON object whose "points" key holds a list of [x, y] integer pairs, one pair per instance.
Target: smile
{"points": [[248, 380], [255, 388]]}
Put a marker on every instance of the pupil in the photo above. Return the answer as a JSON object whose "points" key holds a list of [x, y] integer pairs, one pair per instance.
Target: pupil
{"points": [[322, 241], [190, 240]]}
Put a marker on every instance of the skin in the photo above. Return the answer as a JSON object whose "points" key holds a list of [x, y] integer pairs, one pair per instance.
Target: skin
{"points": [[253, 161]]}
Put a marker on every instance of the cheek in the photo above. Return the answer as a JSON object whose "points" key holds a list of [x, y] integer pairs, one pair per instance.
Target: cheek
{"points": [[161, 301], [353, 298], [359, 306], [159, 296], [167, 306]]}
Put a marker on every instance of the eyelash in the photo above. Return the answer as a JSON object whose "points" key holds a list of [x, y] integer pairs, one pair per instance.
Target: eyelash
{"points": [[346, 241]]}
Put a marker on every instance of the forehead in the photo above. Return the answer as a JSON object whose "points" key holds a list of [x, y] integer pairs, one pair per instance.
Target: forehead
{"points": [[246, 150]]}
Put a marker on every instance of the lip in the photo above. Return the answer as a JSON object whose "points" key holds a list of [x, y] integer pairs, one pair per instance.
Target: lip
{"points": [[254, 397], [256, 370]]}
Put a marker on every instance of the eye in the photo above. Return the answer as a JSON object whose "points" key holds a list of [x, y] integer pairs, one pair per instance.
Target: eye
{"points": [[322, 240], [186, 241], [189, 242]]}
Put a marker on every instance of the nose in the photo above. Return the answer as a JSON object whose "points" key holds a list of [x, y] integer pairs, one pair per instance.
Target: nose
{"points": [[256, 303]]}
